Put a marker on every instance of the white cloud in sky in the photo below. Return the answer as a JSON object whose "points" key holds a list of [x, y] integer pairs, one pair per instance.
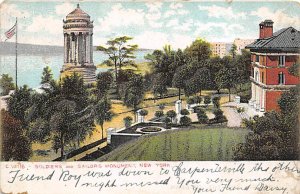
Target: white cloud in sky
{"points": [[176, 5], [8, 14], [119, 16], [151, 40], [222, 12], [48, 24], [156, 40], [185, 26], [64, 9], [172, 22], [154, 7], [229, 30], [279, 17]]}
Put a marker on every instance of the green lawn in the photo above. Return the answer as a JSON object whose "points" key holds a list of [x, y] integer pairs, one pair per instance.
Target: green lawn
{"points": [[197, 143]]}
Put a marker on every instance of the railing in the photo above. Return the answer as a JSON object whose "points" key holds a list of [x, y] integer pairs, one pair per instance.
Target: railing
{"points": [[81, 150]]}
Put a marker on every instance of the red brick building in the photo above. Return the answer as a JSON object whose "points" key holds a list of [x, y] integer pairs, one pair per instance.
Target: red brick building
{"points": [[271, 56]]}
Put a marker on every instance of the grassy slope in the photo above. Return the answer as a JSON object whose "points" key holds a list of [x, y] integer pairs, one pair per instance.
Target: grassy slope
{"points": [[187, 144]]}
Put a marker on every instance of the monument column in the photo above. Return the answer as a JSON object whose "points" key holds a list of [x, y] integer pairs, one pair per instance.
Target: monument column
{"points": [[88, 48], [91, 48], [84, 47], [65, 47]]}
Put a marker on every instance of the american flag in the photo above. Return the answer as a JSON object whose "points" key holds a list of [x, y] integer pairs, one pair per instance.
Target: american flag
{"points": [[11, 32]]}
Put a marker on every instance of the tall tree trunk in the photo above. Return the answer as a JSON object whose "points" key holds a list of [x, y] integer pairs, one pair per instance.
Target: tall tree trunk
{"points": [[117, 78], [229, 94], [62, 145], [101, 130], [200, 92], [179, 93]]}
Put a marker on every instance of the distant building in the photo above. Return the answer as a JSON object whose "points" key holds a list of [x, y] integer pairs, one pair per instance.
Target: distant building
{"points": [[241, 44], [220, 49], [78, 45], [271, 56]]}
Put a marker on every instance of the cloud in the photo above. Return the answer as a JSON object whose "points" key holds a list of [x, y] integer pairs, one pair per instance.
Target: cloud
{"points": [[64, 9], [47, 24], [119, 17], [175, 9], [280, 18], [175, 5], [171, 23], [222, 12], [229, 31], [154, 7], [8, 14], [185, 26], [151, 40], [159, 39]]}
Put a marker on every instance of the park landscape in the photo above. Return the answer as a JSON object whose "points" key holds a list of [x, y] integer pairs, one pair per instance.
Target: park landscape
{"points": [[178, 104]]}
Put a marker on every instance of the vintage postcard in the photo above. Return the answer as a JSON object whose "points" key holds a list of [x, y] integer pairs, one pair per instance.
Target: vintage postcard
{"points": [[149, 96]]}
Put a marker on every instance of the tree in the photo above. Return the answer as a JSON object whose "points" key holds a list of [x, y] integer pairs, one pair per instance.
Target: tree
{"points": [[14, 145], [103, 113], [6, 84], [202, 79], [207, 100], [197, 99], [19, 102], [198, 50], [47, 75], [179, 80], [242, 65], [185, 121], [104, 81], [184, 112], [272, 139], [143, 112], [119, 54], [216, 101], [171, 114], [202, 117], [294, 69], [190, 101], [134, 92], [219, 117], [159, 114], [226, 78], [159, 85], [73, 89], [233, 50], [127, 121]]}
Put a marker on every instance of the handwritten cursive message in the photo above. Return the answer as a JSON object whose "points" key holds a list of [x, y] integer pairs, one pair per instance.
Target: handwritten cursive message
{"points": [[155, 177]]}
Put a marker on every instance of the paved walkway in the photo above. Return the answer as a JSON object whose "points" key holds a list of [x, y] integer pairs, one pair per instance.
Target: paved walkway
{"points": [[234, 118]]}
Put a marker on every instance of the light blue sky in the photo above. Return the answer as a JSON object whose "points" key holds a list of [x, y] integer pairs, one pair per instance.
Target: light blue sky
{"points": [[151, 24]]}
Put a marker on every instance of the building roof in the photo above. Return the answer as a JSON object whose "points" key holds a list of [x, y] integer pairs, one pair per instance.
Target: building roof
{"points": [[78, 12], [286, 39]]}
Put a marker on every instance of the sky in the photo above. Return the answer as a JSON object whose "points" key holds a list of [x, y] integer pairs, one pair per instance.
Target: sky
{"points": [[151, 24]]}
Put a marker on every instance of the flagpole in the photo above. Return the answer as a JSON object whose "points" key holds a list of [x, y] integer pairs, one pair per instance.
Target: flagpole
{"points": [[16, 53]]}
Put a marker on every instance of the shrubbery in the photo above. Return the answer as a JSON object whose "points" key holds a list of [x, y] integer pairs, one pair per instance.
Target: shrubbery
{"points": [[185, 121]]}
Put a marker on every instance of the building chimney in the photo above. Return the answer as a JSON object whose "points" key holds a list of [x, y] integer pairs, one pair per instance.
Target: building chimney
{"points": [[266, 29]]}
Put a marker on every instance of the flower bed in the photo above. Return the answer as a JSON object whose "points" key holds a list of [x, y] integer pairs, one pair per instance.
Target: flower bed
{"points": [[151, 129]]}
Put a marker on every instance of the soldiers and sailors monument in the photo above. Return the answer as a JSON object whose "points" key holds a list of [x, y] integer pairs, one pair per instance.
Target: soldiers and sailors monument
{"points": [[78, 45]]}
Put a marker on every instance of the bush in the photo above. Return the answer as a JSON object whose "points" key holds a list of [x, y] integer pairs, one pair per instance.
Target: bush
{"points": [[202, 117], [216, 101], [159, 113], [197, 99], [219, 117], [198, 109], [190, 101], [171, 114], [184, 112], [127, 121], [207, 100], [143, 112], [185, 121], [161, 106]]}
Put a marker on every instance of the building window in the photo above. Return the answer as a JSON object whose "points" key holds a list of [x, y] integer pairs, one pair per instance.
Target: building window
{"points": [[257, 58], [281, 78], [256, 76], [281, 61], [262, 77]]}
